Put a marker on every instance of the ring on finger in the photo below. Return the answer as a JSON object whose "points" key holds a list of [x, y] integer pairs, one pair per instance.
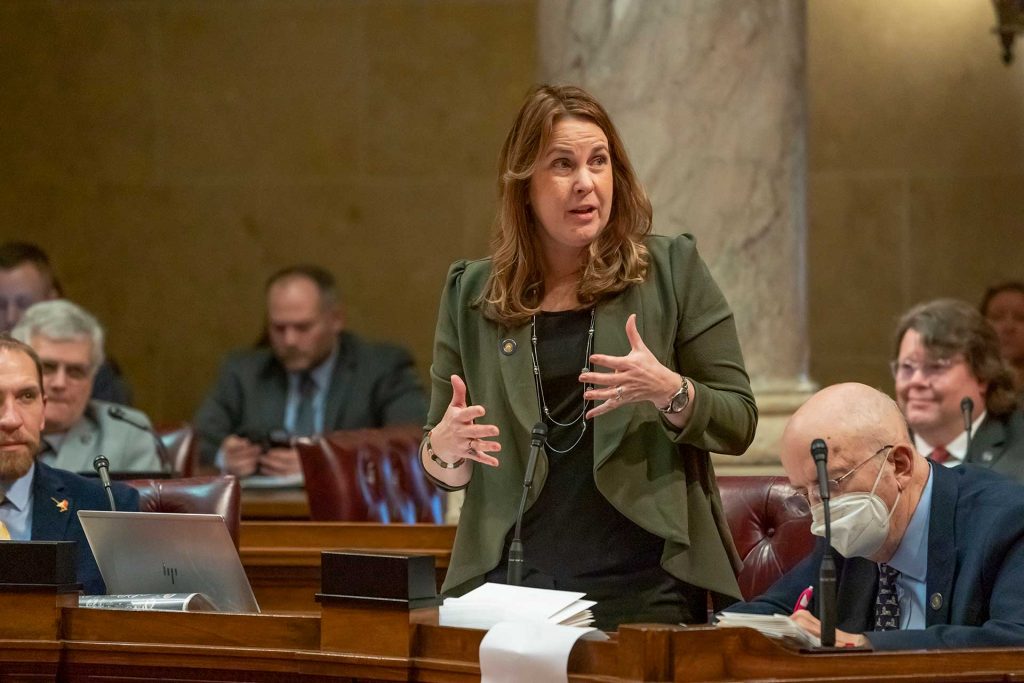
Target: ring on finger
{"points": [[469, 447], [618, 393]]}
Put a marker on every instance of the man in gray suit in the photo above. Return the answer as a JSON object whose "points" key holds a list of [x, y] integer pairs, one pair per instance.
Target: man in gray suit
{"points": [[69, 342], [315, 377], [949, 373]]}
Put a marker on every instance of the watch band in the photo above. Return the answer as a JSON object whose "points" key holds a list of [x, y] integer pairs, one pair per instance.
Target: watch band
{"points": [[679, 400]]}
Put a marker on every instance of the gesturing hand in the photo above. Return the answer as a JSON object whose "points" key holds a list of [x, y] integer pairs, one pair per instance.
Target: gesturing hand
{"points": [[458, 436], [635, 377]]}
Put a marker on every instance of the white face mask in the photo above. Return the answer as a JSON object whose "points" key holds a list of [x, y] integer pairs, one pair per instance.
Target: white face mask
{"points": [[860, 521]]}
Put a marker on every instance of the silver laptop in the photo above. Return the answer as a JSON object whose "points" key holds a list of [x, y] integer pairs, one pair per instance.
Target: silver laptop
{"points": [[168, 552]]}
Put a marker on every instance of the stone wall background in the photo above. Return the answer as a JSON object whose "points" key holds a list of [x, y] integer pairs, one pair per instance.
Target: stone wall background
{"points": [[171, 154]]}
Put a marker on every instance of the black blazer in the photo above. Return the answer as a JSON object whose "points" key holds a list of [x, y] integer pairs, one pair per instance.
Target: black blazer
{"points": [[999, 445]]}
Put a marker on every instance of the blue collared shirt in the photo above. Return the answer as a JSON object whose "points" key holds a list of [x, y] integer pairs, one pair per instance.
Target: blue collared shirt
{"points": [[321, 376], [16, 510], [911, 561]]}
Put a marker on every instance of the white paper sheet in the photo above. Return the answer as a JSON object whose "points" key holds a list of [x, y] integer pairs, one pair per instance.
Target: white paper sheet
{"points": [[538, 652], [491, 603]]}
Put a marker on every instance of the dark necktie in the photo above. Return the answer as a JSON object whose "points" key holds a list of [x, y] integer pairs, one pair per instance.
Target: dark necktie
{"points": [[887, 603], [304, 415], [940, 454]]}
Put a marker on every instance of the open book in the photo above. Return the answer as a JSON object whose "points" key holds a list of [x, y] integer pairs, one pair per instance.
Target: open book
{"points": [[494, 602], [778, 626]]}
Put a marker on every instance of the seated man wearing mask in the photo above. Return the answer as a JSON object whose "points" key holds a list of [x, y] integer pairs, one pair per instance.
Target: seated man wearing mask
{"points": [[948, 370], [930, 557], [69, 343], [37, 502]]}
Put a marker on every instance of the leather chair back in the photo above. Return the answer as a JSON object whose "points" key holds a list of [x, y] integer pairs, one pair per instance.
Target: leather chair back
{"points": [[216, 495], [369, 475], [770, 524], [182, 448]]}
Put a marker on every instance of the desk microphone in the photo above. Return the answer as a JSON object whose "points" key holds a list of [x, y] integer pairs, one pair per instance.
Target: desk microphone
{"points": [[515, 551], [117, 412], [827, 572], [967, 409], [102, 466]]}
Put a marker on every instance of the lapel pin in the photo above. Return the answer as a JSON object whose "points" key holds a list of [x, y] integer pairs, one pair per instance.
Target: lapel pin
{"points": [[62, 505], [508, 346]]}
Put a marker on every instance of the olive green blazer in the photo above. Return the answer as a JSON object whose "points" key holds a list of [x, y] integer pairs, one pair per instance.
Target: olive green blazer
{"points": [[660, 478]]}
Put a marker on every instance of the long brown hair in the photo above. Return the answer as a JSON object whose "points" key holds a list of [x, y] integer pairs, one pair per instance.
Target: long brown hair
{"points": [[616, 259]]}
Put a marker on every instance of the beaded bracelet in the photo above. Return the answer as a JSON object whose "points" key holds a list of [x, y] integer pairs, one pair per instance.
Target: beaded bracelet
{"points": [[441, 463]]}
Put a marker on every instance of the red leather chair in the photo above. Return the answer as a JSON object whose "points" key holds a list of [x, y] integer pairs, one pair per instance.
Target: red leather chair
{"points": [[369, 475], [217, 495], [770, 524]]}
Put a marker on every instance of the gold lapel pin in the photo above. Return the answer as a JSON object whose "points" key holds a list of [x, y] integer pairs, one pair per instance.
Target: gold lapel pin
{"points": [[62, 505]]}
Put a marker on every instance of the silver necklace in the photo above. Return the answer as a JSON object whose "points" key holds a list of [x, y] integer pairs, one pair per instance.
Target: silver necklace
{"points": [[540, 384]]}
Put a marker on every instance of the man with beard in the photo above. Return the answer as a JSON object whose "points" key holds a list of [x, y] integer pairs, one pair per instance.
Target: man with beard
{"points": [[314, 377], [38, 502]]}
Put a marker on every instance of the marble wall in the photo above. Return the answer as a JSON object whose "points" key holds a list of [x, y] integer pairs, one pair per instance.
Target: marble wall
{"points": [[171, 154], [916, 170]]}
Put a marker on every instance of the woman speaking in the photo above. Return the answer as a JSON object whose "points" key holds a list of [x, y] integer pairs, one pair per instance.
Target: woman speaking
{"points": [[621, 342]]}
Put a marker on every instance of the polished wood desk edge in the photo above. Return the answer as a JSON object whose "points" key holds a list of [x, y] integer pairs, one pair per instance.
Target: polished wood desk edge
{"points": [[292, 644], [256, 532]]}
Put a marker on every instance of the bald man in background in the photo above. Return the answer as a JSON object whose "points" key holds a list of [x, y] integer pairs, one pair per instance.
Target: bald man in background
{"points": [[929, 557]]}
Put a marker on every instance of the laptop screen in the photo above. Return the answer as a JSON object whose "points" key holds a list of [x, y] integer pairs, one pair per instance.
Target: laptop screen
{"points": [[168, 552]]}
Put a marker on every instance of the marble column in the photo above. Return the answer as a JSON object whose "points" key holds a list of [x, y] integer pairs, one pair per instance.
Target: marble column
{"points": [[709, 96]]}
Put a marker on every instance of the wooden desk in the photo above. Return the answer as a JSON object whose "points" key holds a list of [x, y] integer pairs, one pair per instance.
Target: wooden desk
{"points": [[275, 504], [86, 646], [282, 559]]}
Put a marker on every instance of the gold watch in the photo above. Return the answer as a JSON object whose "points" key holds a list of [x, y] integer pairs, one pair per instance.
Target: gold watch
{"points": [[678, 402]]}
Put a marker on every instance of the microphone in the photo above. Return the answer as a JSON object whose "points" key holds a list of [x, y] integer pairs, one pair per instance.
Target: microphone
{"points": [[117, 412], [102, 467], [515, 550], [827, 572], [967, 409]]}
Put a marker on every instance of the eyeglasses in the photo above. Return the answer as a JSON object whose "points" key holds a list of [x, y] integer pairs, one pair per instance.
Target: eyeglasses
{"points": [[73, 371], [903, 370], [813, 495]]}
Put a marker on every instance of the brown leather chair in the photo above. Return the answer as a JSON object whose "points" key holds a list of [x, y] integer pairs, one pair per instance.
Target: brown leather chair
{"points": [[217, 495], [182, 448], [369, 475], [770, 524]]}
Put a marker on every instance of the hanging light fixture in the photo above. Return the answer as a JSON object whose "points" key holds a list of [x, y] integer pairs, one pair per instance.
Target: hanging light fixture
{"points": [[1010, 14]]}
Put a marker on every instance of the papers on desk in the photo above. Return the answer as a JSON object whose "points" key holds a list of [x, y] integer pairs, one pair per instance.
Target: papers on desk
{"points": [[516, 651], [778, 626], [494, 602]]}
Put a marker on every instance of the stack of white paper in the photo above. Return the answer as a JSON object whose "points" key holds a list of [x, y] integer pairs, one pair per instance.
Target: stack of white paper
{"points": [[777, 626], [495, 602]]}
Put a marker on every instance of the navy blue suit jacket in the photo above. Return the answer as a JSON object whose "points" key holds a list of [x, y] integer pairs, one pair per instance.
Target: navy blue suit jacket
{"points": [[50, 488], [975, 571]]}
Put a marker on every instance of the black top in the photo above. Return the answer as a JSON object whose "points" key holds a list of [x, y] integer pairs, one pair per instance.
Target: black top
{"points": [[573, 538]]}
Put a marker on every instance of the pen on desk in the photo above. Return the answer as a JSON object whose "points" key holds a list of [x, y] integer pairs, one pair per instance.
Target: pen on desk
{"points": [[805, 599]]}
